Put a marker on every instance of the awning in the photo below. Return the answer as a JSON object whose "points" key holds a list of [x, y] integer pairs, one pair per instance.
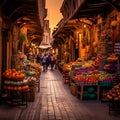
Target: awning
{"points": [[45, 46]]}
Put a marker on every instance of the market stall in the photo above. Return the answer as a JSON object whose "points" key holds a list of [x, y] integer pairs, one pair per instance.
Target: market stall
{"points": [[21, 82], [87, 81], [15, 86]]}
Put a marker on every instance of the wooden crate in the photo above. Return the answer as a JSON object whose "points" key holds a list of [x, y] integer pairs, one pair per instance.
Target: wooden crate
{"points": [[73, 89], [31, 95], [81, 89]]}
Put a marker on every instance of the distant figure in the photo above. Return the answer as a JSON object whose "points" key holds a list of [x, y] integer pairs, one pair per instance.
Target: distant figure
{"points": [[52, 61], [45, 62]]}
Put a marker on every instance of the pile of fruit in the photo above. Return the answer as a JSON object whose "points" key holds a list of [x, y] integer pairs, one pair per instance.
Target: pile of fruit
{"points": [[35, 66], [114, 93], [84, 70], [112, 57], [16, 85], [86, 79], [13, 74], [87, 64], [105, 79], [66, 67], [14, 80]]}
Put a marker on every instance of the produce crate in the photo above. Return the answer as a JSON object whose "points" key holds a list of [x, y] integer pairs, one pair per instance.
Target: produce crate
{"points": [[73, 89], [31, 94], [88, 94]]}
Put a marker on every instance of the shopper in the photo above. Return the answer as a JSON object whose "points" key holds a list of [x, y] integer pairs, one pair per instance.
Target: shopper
{"points": [[47, 61], [52, 61], [44, 58]]}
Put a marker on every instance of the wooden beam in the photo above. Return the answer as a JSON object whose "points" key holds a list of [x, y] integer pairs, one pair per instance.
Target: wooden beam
{"points": [[96, 4]]}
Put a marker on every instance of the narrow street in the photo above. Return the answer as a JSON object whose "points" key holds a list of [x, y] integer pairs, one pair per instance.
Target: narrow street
{"points": [[55, 102]]}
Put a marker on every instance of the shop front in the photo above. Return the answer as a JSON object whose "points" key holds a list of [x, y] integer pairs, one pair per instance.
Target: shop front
{"points": [[19, 26], [93, 72]]}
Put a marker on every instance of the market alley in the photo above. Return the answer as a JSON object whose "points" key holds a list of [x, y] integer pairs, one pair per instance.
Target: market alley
{"points": [[55, 102]]}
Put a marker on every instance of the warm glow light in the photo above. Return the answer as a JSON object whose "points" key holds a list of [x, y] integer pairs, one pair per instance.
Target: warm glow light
{"points": [[85, 26]]}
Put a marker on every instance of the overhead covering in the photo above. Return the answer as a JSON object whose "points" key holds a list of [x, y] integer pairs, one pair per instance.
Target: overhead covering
{"points": [[93, 7], [24, 13], [45, 46], [88, 9]]}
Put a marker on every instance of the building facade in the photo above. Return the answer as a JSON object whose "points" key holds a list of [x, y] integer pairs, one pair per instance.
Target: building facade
{"points": [[47, 32], [21, 22], [85, 30]]}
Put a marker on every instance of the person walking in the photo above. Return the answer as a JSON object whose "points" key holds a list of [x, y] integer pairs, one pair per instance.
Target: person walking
{"points": [[44, 58], [52, 61], [47, 61]]}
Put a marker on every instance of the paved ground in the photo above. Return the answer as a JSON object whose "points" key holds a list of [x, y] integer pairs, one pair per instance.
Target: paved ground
{"points": [[55, 102]]}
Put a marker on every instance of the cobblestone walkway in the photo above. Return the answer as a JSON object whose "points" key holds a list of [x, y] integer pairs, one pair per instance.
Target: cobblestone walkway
{"points": [[55, 102]]}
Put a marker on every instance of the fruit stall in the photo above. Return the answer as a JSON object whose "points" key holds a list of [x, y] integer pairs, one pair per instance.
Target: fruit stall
{"points": [[96, 79], [21, 82], [87, 81], [15, 86], [113, 96]]}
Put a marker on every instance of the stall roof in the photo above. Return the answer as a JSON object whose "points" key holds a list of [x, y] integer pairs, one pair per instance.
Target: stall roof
{"points": [[88, 9], [93, 7], [24, 13]]}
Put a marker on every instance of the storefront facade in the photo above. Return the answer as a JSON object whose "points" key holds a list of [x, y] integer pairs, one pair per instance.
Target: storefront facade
{"points": [[20, 23], [85, 24]]}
